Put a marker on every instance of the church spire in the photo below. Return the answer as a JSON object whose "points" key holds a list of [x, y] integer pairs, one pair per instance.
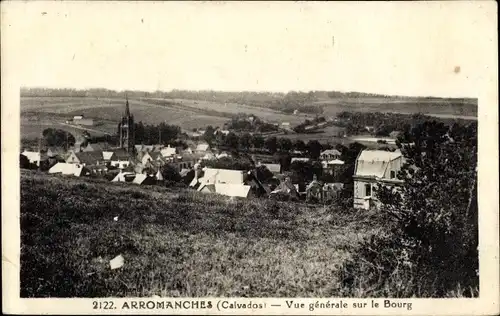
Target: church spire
{"points": [[127, 107]]}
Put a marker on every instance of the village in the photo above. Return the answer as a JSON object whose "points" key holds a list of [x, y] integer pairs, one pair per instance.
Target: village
{"points": [[201, 167]]}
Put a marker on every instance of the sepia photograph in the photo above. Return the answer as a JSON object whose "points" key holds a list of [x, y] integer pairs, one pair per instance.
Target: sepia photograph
{"points": [[211, 153]]}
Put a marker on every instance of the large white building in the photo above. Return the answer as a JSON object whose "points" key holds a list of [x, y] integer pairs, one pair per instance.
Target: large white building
{"points": [[374, 168]]}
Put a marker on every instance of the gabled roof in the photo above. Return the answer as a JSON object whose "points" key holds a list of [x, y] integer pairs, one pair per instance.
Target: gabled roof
{"points": [[312, 184], [89, 157], [299, 159], [124, 177], [239, 190], [222, 155], [107, 155], [98, 146], [335, 162], [286, 186], [120, 154], [184, 172], [155, 155], [67, 169], [168, 151], [32, 155], [202, 147], [373, 163], [273, 167], [331, 152]]}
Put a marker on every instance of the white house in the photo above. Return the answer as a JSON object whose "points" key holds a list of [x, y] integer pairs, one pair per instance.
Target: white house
{"points": [[222, 181], [33, 156], [202, 147], [330, 154], [67, 169], [168, 151], [303, 159], [374, 168]]}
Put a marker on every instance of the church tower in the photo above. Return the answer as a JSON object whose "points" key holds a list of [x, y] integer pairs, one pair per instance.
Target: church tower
{"points": [[127, 140]]}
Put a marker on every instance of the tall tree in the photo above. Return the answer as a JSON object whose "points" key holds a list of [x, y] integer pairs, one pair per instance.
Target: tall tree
{"points": [[245, 141], [231, 140], [258, 141], [271, 144], [284, 144], [299, 145], [435, 210], [314, 149]]}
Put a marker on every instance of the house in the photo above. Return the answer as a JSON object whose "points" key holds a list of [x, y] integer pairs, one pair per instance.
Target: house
{"points": [[222, 155], [124, 177], [332, 191], [144, 179], [370, 129], [86, 158], [68, 169], [35, 157], [168, 151], [202, 147], [332, 167], [330, 154], [97, 170], [222, 181], [120, 158], [295, 112], [159, 176], [222, 131], [374, 168], [314, 190], [285, 124], [303, 159], [208, 156], [107, 156], [275, 168], [286, 187], [182, 164], [96, 147]]}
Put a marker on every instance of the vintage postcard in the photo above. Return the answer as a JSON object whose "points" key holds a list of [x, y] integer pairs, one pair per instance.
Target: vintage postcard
{"points": [[258, 158]]}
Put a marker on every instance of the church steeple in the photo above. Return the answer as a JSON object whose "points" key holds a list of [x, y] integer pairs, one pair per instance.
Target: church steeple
{"points": [[127, 139], [127, 107]]}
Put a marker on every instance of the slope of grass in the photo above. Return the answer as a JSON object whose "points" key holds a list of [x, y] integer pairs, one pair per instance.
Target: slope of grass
{"points": [[178, 243]]}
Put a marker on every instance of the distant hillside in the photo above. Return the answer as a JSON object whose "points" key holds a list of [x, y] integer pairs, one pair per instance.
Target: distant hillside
{"points": [[313, 102]]}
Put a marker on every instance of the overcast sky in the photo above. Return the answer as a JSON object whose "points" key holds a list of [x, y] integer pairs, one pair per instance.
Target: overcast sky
{"points": [[393, 48]]}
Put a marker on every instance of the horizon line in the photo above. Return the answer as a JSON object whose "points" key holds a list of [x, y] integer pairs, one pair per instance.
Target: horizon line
{"points": [[243, 91]]}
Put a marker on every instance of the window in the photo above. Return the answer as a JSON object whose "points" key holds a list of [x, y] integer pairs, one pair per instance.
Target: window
{"points": [[393, 174], [368, 190]]}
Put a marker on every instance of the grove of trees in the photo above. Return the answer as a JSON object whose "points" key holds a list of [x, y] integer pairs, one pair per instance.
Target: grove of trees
{"points": [[57, 137]]}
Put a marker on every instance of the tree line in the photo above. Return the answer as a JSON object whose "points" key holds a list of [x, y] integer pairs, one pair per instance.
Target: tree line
{"points": [[385, 123]]}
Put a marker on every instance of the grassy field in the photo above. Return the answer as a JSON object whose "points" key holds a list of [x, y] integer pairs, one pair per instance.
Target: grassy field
{"points": [[466, 109], [108, 112], [191, 114], [179, 243]]}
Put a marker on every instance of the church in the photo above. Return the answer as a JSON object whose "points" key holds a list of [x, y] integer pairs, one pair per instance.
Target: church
{"points": [[126, 130]]}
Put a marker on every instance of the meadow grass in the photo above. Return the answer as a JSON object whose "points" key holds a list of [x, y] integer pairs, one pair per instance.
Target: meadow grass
{"points": [[181, 243]]}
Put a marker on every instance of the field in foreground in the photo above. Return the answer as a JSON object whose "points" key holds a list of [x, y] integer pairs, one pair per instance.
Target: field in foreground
{"points": [[179, 243]]}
